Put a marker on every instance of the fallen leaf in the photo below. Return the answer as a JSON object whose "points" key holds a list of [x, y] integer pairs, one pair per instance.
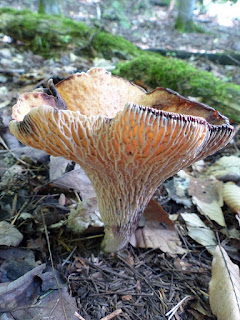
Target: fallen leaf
{"points": [[15, 262], [177, 190], [226, 168], [231, 196], [155, 212], [224, 287], [198, 166], [51, 279], [57, 304], [21, 292], [57, 167], [127, 297], [9, 235], [75, 179], [86, 214], [33, 154], [158, 231], [233, 233], [207, 196], [199, 232]]}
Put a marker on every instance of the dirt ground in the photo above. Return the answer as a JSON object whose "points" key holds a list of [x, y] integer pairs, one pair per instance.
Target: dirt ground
{"points": [[142, 283]]}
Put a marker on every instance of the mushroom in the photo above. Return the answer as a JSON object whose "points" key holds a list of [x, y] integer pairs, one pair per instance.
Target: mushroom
{"points": [[127, 140]]}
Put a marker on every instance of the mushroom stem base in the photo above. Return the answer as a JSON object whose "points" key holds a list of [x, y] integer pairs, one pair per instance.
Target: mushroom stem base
{"points": [[116, 238]]}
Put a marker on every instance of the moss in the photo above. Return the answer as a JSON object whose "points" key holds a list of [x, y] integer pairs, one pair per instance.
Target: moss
{"points": [[109, 46], [155, 70], [13, 11], [188, 26], [43, 34], [49, 35]]}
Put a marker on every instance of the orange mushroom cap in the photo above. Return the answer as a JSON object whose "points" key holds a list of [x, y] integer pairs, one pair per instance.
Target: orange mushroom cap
{"points": [[128, 141]]}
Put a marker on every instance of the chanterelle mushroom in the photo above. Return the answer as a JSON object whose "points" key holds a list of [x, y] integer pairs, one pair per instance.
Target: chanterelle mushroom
{"points": [[127, 141]]}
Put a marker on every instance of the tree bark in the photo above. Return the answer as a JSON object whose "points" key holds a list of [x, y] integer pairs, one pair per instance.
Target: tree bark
{"points": [[49, 7], [184, 20]]}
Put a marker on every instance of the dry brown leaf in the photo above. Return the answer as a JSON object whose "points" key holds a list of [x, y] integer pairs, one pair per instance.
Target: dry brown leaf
{"points": [[231, 195], [226, 168], [224, 287], [207, 196], [158, 231], [199, 232]]}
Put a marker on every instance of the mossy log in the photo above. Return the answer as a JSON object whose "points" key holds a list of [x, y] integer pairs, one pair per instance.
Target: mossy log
{"points": [[40, 33], [228, 58], [154, 70], [51, 35]]}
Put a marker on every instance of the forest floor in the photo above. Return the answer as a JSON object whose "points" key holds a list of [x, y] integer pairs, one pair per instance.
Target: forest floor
{"points": [[152, 26], [40, 255]]}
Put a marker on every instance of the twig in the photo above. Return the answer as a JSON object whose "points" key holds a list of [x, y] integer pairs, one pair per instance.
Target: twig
{"points": [[172, 312], [87, 238], [77, 196], [112, 315], [122, 293], [51, 259], [78, 316], [19, 211], [69, 256], [14, 205], [16, 157]]}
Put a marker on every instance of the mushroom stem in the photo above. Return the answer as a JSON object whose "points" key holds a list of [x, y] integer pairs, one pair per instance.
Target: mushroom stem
{"points": [[115, 239], [120, 205]]}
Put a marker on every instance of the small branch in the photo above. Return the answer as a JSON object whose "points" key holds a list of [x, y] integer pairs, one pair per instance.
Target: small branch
{"points": [[172, 312], [10, 151], [112, 315], [78, 316]]}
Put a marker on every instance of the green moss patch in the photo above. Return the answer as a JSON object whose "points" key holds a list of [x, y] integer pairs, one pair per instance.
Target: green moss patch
{"points": [[41, 33], [50, 35], [155, 70]]}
